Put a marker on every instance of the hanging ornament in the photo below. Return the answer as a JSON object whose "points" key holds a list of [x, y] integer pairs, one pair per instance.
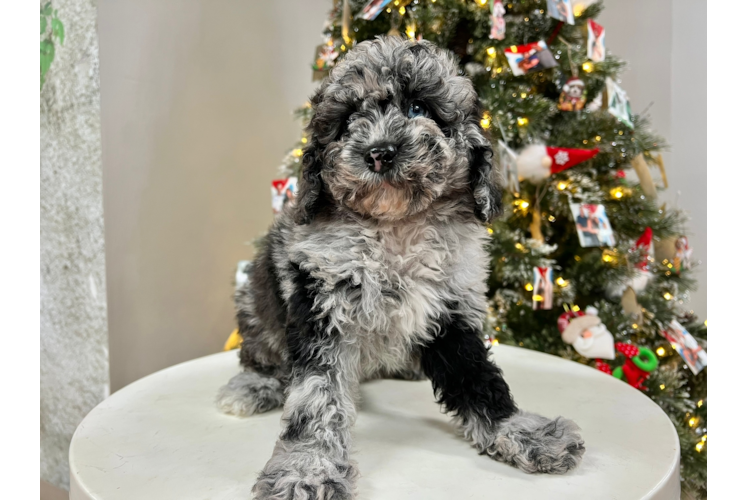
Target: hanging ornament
{"points": [[645, 244], [508, 167], [573, 95], [542, 288], [283, 191], [603, 367], [595, 41], [561, 10], [683, 252], [618, 102], [498, 24], [640, 362], [372, 9], [630, 305], [641, 168], [324, 58], [686, 345], [641, 273], [538, 162], [586, 333]]}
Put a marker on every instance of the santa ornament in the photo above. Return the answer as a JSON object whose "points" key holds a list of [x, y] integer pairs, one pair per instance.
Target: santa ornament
{"points": [[587, 334], [537, 162]]}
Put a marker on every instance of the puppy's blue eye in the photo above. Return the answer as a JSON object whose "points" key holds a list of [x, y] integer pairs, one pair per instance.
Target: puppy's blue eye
{"points": [[417, 109]]}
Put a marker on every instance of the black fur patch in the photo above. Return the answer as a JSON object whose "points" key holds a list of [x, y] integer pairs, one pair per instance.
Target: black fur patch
{"points": [[305, 335], [465, 381]]}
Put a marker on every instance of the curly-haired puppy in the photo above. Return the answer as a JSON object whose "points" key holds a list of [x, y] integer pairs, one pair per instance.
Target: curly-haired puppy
{"points": [[380, 263]]}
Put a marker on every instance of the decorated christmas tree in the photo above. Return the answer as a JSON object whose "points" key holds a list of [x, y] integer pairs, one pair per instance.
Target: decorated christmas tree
{"points": [[587, 264]]}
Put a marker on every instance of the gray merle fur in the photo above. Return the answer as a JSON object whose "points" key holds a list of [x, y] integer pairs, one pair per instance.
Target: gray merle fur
{"points": [[381, 273]]}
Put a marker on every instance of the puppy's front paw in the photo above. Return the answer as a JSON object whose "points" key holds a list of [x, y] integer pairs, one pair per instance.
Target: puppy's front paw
{"points": [[534, 443], [302, 476]]}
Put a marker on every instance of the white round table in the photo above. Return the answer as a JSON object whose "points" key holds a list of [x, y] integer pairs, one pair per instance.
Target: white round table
{"points": [[163, 438]]}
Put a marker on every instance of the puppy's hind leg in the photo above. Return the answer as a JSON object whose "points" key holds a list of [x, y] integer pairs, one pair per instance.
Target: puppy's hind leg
{"points": [[250, 392]]}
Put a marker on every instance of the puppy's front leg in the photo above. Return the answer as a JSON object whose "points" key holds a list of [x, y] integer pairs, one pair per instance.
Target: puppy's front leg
{"points": [[311, 458], [471, 387]]}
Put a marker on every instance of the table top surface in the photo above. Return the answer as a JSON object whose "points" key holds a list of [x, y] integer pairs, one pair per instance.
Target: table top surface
{"points": [[162, 437]]}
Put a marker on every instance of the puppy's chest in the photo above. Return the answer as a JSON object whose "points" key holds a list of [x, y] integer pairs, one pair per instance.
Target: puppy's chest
{"points": [[384, 279]]}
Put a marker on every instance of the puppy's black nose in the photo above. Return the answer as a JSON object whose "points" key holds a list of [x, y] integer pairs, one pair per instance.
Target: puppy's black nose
{"points": [[380, 158]]}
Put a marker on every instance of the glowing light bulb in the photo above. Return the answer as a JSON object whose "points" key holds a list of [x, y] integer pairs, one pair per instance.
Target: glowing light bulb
{"points": [[522, 121], [699, 447], [578, 9], [701, 402], [519, 246], [667, 296], [561, 185], [485, 122], [575, 308], [588, 67], [598, 138], [551, 218], [693, 421], [489, 230], [304, 140], [513, 48], [528, 287], [297, 152], [402, 10], [662, 387], [562, 282], [635, 326], [660, 351], [523, 95], [491, 51]]}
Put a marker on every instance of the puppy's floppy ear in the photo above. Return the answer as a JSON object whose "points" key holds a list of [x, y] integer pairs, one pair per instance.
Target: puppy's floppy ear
{"points": [[483, 178], [309, 198]]}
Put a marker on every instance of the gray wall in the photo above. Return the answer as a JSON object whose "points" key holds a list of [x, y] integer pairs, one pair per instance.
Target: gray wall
{"points": [[196, 114], [665, 47], [196, 102], [74, 358]]}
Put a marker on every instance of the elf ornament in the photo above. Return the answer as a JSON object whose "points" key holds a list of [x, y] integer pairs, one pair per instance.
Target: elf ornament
{"points": [[537, 162], [640, 362], [642, 274], [587, 334]]}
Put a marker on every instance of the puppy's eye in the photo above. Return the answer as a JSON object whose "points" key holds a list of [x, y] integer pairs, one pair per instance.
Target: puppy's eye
{"points": [[417, 109]]}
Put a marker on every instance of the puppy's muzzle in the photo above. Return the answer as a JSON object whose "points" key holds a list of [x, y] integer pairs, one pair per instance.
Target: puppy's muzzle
{"points": [[380, 159]]}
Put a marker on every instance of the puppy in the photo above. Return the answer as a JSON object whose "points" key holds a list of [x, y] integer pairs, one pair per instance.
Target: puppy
{"points": [[379, 264]]}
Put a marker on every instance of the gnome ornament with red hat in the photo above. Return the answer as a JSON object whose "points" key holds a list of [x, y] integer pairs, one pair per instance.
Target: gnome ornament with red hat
{"points": [[538, 162], [587, 334]]}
